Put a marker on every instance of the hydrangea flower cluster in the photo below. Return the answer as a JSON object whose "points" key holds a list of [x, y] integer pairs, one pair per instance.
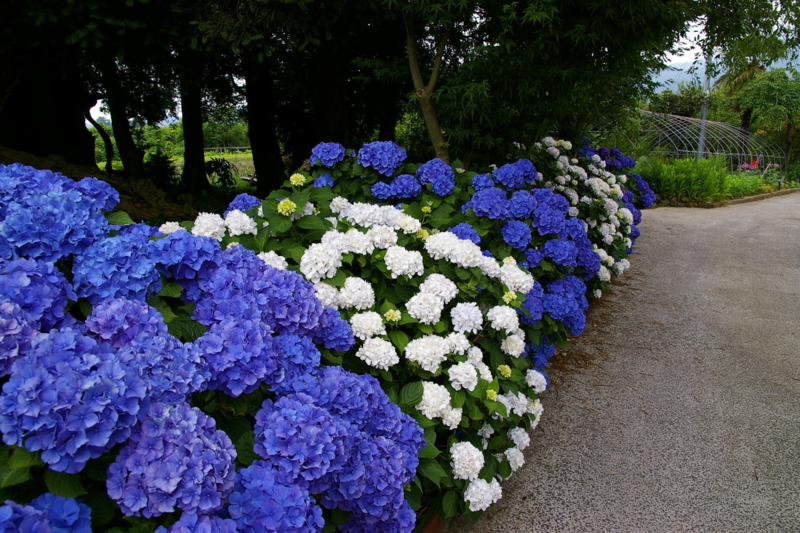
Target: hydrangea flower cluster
{"points": [[176, 459], [439, 175], [327, 154], [384, 156], [45, 514]]}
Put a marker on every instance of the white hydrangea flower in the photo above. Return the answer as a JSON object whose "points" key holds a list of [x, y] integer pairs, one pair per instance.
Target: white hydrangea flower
{"points": [[240, 224], [515, 458], [463, 375], [466, 460], [475, 355], [402, 262], [452, 418], [336, 240], [328, 295], [467, 317], [484, 371], [382, 237], [553, 151], [535, 410], [339, 204], [435, 400], [598, 293], [513, 345], [457, 343], [490, 267], [516, 279], [429, 352], [503, 317], [274, 260], [573, 211], [480, 494], [548, 141], [439, 286], [209, 225], [509, 261], [610, 207], [357, 294], [536, 381], [515, 403], [378, 353], [604, 274], [367, 324], [486, 431], [519, 437], [170, 227], [621, 266], [358, 243], [425, 307], [408, 224], [320, 261]]}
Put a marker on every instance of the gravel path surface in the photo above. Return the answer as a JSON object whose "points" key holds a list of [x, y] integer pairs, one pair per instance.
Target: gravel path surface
{"points": [[687, 418]]}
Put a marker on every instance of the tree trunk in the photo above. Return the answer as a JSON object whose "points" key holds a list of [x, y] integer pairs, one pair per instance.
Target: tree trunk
{"points": [[332, 94], [261, 124], [130, 154], [424, 91], [101, 131], [44, 103], [193, 177]]}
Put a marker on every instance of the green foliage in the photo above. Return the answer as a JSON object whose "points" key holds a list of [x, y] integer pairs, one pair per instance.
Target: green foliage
{"points": [[774, 97], [687, 102], [222, 171], [685, 180], [160, 168]]}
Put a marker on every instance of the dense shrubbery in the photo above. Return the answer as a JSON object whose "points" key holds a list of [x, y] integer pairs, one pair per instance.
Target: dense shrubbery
{"points": [[200, 374]]}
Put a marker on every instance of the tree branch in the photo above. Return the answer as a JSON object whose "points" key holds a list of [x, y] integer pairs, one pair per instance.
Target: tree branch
{"points": [[437, 64], [413, 59]]}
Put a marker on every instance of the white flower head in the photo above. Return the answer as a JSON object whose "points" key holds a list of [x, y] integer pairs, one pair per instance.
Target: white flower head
{"points": [[516, 279], [515, 458], [402, 262], [429, 352], [382, 237], [463, 375], [209, 225], [425, 307], [503, 317], [466, 460], [239, 223], [367, 324], [357, 294], [328, 295], [274, 260], [475, 355], [170, 227], [378, 353], [481, 494], [457, 343], [536, 381], [435, 400], [452, 418], [358, 243], [519, 437], [320, 261], [439, 286], [513, 345], [467, 317]]}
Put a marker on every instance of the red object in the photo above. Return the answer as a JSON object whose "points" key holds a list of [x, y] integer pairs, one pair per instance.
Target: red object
{"points": [[754, 164]]}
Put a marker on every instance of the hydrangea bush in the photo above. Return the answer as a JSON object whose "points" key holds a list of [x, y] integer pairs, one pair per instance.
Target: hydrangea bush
{"points": [[157, 381], [458, 287]]}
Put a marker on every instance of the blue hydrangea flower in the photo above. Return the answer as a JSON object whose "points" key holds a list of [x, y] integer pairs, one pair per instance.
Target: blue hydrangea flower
{"points": [[482, 181], [516, 234], [588, 260], [260, 503], [326, 180], [647, 198], [175, 459], [439, 174], [299, 357], [119, 321], [15, 518], [522, 204], [45, 215], [194, 523], [243, 202], [383, 156], [533, 258], [542, 353], [16, 334], [327, 154], [533, 303], [550, 213], [565, 300], [64, 515], [40, 289], [71, 398], [466, 231], [382, 190], [405, 186], [187, 258], [333, 331], [509, 176], [562, 252], [114, 267], [491, 203], [299, 440]]}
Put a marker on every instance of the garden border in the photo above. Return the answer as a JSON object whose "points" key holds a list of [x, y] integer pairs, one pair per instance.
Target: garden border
{"points": [[753, 198]]}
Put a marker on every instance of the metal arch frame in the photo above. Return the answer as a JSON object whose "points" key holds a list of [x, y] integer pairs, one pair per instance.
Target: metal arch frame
{"points": [[679, 137]]}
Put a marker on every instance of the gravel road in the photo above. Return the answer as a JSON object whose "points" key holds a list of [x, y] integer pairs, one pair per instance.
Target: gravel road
{"points": [[687, 418]]}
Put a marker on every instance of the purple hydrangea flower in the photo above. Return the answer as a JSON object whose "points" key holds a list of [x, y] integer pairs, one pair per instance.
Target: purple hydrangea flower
{"points": [[64, 515], [194, 523], [40, 289], [70, 398], [383, 156], [176, 458], [187, 258], [333, 331], [119, 321], [16, 334], [551, 211], [565, 300], [327, 154]]}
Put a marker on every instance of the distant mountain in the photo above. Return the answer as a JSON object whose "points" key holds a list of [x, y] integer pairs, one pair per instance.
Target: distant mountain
{"points": [[688, 72]]}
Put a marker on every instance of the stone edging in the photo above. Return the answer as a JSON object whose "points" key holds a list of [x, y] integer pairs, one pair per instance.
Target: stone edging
{"points": [[752, 198]]}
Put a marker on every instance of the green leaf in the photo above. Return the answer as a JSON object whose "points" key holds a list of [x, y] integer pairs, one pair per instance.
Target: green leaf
{"points": [[458, 398], [85, 307], [244, 449], [411, 394], [103, 508], [414, 497], [22, 458], [295, 252], [171, 290], [276, 195], [13, 476], [301, 198], [119, 218], [337, 280], [399, 339], [504, 469], [312, 222], [62, 484], [280, 225], [328, 356], [430, 451], [186, 329], [450, 504], [431, 469]]}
